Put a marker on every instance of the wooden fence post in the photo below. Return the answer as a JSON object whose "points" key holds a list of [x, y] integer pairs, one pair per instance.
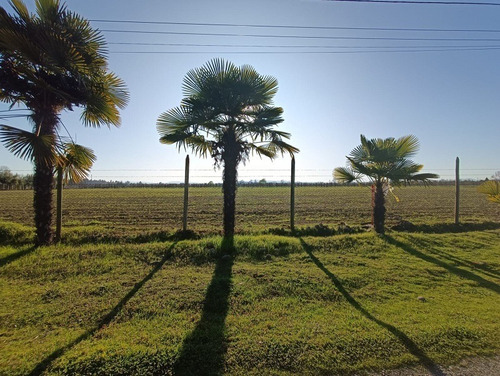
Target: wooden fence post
{"points": [[186, 193], [59, 188], [457, 191], [292, 197]]}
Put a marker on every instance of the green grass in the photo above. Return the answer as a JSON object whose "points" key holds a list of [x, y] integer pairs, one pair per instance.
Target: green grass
{"points": [[281, 306], [128, 212]]}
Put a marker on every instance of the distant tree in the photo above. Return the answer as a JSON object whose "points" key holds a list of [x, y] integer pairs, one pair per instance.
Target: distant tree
{"points": [[227, 113], [73, 164], [6, 176], [262, 182], [53, 61], [384, 162]]}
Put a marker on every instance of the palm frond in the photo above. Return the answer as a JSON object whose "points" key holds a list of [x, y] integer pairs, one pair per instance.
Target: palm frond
{"points": [[492, 189], [28, 145], [344, 175], [76, 162], [107, 95], [407, 146], [422, 178]]}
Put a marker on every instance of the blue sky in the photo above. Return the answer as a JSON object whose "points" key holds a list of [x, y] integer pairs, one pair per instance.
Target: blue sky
{"points": [[449, 99]]}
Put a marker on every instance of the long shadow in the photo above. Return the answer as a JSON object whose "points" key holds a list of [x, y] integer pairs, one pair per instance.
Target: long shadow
{"points": [[204, 349], [411, 346], [45, 363], [485, 269], [452, 269], [14, 256], [443, 228]]}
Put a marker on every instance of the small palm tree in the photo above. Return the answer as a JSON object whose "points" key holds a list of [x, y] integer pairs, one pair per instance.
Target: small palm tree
{"points": [[227, 113], [53, 61], [384, 162], [491, 188], [73, 164]]}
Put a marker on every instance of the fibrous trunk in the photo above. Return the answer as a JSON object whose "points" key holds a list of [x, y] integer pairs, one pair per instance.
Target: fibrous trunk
{"points": [[43, 180], [379, 208], [230, 157]]}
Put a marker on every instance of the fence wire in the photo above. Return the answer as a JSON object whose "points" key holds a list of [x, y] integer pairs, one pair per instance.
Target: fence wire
{"points": [[258, 208]]}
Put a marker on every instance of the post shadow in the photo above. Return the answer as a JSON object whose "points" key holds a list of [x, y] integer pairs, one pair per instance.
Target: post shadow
{"points": [[411, 346], [106, 320], [484, 269], [203, 350], [452, 269], [14, 256]]}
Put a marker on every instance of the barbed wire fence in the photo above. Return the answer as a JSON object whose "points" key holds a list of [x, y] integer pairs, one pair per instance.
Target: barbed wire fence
{"points": [[263, 201]]}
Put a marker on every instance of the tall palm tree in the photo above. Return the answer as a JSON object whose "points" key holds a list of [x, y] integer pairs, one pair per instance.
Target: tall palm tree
{"points": [[53, 61], [384, 162], [73, 164], [227, 113]]}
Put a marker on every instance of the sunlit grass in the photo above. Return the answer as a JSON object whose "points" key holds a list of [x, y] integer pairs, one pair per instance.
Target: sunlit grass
{"points": [[283, 306]]}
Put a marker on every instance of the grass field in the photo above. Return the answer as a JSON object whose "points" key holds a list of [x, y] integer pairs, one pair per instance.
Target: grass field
{"points": [[124, 296], [282, 306], [143, 210]]}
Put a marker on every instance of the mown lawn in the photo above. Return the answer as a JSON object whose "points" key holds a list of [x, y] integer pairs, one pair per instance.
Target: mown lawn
{"points": [[280, 306]]}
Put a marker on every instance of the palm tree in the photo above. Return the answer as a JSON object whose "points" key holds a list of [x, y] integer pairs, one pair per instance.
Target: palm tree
{"points": [[53, 61], [491, 188], [227, 113], [73, 164], [384, 162]]}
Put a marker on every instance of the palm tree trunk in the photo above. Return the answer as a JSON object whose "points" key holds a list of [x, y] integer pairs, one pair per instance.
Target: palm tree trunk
{"points": [[42, 203], [230, 157], [43, 180], [379, 208]]}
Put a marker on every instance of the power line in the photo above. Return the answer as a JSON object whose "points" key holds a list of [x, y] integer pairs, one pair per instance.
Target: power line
{"points": [[298, 36], [284, 46], [417, 2], [299, 27], [299, 52]]}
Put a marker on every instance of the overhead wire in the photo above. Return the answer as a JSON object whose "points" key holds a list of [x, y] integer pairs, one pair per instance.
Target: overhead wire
{"points": [[299, 52], [455, 43], [419, 2], [297, 36], [283, 46], [218, 24]]}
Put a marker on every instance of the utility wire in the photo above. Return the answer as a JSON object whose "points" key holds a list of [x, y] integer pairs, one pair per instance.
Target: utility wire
{"points": [[298, 52], [298, 36], [294, 26], [418, 2], [282, 46]]}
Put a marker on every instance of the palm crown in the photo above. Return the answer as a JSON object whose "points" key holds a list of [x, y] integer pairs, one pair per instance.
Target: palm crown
{"points": [[384, 160], [222, 99], [56, 59]]}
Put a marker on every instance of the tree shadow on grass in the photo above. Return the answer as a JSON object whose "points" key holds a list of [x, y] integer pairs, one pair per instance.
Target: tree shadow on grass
{"points": [[479, 267], [411, 346], [444, 228], [204, 349], [452, 269], [14, 256], [106, 320]]}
